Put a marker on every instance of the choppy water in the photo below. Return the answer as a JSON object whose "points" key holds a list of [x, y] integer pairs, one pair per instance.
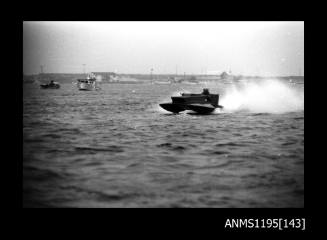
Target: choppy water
{"points": [[116, 148]]}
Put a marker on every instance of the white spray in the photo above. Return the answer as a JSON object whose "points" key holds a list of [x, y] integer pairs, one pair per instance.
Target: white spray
{"points": [[265, 96]]}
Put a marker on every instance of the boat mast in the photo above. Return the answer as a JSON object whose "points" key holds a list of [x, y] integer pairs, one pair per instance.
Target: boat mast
{"points": [[84, 68], [41, 73], [151, 74]]}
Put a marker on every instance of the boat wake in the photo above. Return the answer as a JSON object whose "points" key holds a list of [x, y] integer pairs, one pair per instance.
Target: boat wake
{"points": [[267, 96]]}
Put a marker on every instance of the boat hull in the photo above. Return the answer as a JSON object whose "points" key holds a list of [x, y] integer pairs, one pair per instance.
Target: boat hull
{"points": [[85, 86], [45, 86], [198, 108], [201, 109], [174, 108]]}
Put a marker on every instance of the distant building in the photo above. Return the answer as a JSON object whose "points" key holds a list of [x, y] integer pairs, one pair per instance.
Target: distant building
{"points": [[224, 75], [107, 76]]}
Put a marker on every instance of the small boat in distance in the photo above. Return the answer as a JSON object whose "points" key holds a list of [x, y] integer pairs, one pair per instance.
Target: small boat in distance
{"points": [[87, 84], [51, 85], [203, 103]]}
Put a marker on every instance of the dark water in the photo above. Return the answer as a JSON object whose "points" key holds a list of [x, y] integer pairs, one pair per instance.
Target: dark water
{"points": [[116, 148]]}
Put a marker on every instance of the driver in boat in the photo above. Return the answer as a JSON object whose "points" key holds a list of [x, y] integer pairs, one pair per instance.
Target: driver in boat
{"points": [[51, 82], [205, 91]]}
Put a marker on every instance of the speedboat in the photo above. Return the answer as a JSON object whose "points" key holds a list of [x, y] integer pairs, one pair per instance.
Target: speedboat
{"points": [[87, 84], [51, 85], [203, 103]]}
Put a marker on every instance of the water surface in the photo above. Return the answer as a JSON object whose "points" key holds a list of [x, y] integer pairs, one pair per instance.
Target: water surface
{"points": [[116, 148]]}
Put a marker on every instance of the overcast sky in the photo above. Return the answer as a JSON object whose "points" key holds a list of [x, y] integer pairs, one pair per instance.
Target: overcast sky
{"points": [[250, 48]]}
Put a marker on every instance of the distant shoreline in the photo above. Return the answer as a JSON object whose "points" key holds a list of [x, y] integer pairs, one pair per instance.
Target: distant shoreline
{"points": [[71, 77]]}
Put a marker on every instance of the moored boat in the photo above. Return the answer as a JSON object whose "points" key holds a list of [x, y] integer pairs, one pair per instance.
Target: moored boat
{"points": [[87, 84], [51, 85]]}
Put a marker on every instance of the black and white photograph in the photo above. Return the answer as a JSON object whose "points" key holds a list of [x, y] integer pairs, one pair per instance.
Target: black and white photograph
{"points": [[163, 114]]}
